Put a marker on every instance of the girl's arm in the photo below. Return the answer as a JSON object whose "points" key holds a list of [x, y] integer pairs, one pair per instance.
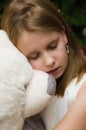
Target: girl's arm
{"points": [[75, 119]]}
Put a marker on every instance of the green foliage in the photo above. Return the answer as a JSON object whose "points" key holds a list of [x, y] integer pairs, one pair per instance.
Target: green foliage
{"points": [[3, 4], [74, 11]]}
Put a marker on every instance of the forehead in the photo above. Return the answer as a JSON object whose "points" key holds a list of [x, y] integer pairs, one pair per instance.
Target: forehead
{"points": [[29, 41], [32, 36]]}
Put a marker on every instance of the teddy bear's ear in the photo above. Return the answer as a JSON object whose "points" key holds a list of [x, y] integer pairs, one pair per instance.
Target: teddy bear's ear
{"points": [[40, 90], [14, 66]]}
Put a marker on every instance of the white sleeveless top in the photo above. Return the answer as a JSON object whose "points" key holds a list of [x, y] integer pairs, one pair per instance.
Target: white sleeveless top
{"points": [[59, 106]]}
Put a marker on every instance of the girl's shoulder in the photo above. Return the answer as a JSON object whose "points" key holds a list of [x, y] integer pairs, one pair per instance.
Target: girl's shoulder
{"points": [[82, 90], [74, 87]]}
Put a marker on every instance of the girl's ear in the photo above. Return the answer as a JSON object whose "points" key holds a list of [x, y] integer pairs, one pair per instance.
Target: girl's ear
{"points": [[64, 37]]}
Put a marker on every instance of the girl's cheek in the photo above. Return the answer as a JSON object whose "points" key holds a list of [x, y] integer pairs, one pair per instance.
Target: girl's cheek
{"points": [[34, 64]]}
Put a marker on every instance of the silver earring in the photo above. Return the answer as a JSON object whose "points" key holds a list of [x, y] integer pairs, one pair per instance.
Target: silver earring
{"points": [[67, 48]]}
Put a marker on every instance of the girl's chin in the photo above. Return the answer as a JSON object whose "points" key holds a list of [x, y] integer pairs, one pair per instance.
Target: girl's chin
{"points": [[58, 75]]}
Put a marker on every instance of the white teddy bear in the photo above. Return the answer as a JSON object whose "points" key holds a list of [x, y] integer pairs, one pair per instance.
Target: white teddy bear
{"points": [[23, 91]]}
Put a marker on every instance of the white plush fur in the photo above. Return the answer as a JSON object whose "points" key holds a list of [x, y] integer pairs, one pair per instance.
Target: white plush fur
{"points": [[23, 91]]}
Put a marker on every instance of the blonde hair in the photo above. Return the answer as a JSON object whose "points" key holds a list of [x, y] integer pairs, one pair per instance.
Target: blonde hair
{"points": [[42, 15]]}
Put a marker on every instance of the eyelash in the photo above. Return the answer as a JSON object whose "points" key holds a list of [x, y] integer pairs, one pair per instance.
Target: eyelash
{"points": [[52, 47], [33, 58]]}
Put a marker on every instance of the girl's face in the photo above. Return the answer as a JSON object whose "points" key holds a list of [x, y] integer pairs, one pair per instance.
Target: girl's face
{"points": [[45, 51]]}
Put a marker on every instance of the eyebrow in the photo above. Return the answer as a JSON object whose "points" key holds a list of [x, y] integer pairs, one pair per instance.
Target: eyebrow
{"points": [[51, 42], [55, 40]]}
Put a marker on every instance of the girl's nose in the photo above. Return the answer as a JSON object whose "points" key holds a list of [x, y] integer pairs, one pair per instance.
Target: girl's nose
{"points": [[49, 60]]}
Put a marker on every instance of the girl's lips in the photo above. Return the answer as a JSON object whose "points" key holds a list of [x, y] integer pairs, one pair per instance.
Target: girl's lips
{"points": [[54, 71]]}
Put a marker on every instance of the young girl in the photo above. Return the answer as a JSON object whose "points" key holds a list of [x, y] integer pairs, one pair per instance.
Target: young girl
{"points": [[38, 30]]}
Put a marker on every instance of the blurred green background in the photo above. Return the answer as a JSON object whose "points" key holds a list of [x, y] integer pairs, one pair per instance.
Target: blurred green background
{"points": [[74, 11]]}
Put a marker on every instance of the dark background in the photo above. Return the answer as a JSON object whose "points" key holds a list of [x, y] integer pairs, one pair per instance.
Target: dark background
{"points": [[74, 11]]}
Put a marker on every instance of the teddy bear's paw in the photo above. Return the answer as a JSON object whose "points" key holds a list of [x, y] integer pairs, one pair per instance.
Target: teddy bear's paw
{"points": [[51, 85]]}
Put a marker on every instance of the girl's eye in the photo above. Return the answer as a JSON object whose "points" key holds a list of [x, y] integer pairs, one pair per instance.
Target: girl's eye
{"points": [[33, 56], [53, 46]]}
